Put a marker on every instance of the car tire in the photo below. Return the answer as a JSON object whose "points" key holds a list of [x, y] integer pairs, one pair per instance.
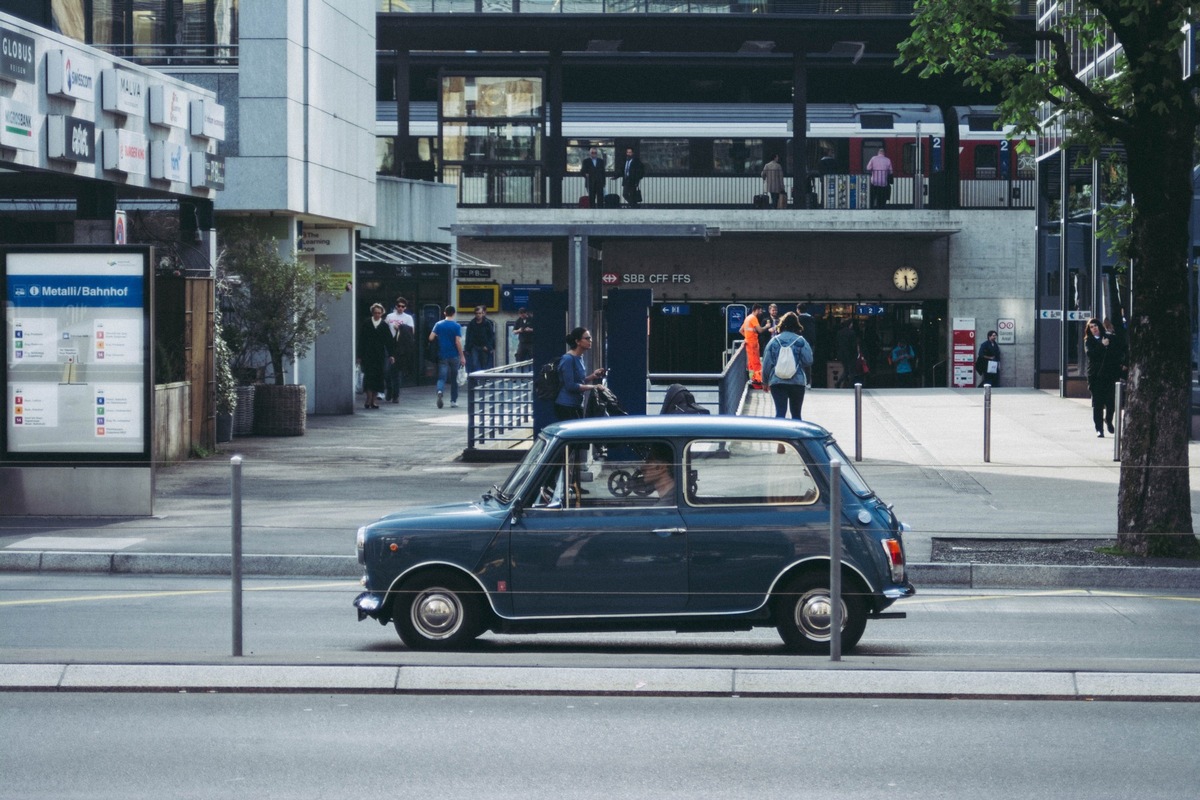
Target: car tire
{"points": [[802, 611], [438, 611]]}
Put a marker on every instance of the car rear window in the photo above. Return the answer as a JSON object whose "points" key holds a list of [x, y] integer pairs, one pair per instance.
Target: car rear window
{"points": [[733, 472]]}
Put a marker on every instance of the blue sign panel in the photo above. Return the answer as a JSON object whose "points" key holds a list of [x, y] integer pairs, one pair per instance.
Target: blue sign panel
{"points": [[677, 309], [935, 154], [47, 291], [515, 295], [1006, 158], [735, 315], [868, 310]]}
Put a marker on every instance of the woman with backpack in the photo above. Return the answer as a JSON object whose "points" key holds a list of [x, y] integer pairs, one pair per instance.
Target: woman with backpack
{"points": [[785, 366], [574, 376]]}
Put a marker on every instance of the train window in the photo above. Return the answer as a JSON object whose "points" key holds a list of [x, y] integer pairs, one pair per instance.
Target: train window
{"points": [[577, 151], [878, 122], [737, 156], [666, 156], [983, 122], [987, 160]]}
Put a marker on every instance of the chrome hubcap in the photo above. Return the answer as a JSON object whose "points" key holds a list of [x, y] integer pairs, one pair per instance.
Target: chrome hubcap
{"points": [[437, 613], [814, 612]]}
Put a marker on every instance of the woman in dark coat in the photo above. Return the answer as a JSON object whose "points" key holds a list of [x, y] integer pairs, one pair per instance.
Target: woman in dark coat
{"points": [[376, 350], [1104, 356]]}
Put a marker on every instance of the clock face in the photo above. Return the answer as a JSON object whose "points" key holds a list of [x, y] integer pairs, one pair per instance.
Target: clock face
{"points": [[905, 278]]}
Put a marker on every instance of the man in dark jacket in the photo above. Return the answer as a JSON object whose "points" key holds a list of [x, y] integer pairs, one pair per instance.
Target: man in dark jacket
{"points": [[480, 343], [631, 173], [594, 174]]}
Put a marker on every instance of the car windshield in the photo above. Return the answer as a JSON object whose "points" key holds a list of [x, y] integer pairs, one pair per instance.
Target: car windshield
{"points": [[850, 475], [521, 474]]}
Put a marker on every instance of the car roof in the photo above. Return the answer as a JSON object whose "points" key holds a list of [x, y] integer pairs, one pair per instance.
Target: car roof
{"points": [[686, 425]]}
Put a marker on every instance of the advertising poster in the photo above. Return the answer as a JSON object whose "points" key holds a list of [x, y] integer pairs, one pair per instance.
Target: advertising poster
{"points": [[77, 372]]}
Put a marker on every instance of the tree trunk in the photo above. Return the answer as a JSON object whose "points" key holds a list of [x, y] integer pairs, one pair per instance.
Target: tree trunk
{"points": [[1154, 501]]}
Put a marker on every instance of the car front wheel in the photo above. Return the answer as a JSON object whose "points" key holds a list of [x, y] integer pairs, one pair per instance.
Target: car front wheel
{"points": [[803, 611], [438, 612]]}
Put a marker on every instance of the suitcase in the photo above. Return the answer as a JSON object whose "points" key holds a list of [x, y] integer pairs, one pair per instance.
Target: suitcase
{"points": [[762, 201], [585, 201], [612, 201]]}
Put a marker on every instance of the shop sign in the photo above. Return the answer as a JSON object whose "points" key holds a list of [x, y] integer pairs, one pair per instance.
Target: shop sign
{"points": [[70, 75], [169, 161], [16, 57], [1050, 313], [125, 151], [208, 170], [71, 139], [208, 119], [123, 92], [316, 241], [168, 106], [17, 120]]}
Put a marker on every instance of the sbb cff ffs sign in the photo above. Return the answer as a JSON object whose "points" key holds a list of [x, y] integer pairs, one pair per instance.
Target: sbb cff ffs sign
{"points": [[658, 278]]}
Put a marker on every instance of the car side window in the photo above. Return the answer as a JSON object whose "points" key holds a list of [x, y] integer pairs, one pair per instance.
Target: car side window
{"points": [[611, 474], [747, 472]]}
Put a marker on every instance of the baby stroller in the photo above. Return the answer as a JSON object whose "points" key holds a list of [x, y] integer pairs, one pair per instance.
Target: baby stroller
{"points": [[601, 402], [680, 400]]}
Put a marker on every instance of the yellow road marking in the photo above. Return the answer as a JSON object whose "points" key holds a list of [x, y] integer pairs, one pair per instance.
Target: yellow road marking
{"points": [[179, 593]]}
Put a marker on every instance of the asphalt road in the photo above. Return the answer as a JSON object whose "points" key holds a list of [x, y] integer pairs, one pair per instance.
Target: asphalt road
{"points": [[163, 619], [119, 746]]}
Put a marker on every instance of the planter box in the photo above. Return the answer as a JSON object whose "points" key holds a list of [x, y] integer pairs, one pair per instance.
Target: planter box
{"points": [[280, 410]]}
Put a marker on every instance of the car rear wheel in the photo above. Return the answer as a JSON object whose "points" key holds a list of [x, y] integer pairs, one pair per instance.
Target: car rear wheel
{"points": [[803, 611], [438, 611]]}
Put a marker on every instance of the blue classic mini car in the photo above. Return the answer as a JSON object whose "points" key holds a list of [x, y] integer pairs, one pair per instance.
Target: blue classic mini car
{"points": [[686, 523]]}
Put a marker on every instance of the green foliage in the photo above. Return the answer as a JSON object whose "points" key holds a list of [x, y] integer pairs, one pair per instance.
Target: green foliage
{"points": [[269, 303]]}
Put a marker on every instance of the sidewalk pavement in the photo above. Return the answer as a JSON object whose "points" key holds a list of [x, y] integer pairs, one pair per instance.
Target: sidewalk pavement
{"points": [[1048, 476], [922, 450]]}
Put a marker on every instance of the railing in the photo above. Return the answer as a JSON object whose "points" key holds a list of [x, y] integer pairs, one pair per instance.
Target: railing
{"points": [[500, 403], [175, 55], [737, 191], [499, 412], [809, 7]]}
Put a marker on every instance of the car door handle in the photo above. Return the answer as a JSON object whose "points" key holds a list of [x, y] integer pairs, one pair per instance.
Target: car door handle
{"points": [[663, 533]]}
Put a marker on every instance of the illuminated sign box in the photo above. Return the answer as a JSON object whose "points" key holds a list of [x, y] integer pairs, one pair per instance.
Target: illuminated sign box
{"points": [[125, 151], [169, 161], [123, 92], [71, 139], [70, 75], [168, 106], [208, 119]]}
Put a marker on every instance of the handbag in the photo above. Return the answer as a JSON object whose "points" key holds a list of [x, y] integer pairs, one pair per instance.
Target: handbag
{"points": [[863, 366], [461, 378]]}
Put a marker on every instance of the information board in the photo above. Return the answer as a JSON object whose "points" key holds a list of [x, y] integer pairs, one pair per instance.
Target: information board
{"points": [[77, 376], [963, 353]]}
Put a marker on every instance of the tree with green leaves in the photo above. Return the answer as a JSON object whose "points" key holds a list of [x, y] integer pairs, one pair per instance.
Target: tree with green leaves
{"points": [[1146, 108], [269, 303]]}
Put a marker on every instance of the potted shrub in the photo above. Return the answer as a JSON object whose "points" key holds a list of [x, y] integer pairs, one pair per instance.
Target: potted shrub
{"points": [[270, 304], [227, 396]]}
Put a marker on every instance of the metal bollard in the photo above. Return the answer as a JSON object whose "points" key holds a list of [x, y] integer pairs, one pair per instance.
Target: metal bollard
{"points": [[987, 423], [858, 422], [1118, 419], [236, 551], [835, 560]]}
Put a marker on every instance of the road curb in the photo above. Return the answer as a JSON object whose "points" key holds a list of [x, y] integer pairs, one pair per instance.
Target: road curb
{"points": [[447, 680], [942, 575]]}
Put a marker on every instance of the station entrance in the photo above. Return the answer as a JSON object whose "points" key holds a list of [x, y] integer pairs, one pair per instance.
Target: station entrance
{"points": [[698, 337]]}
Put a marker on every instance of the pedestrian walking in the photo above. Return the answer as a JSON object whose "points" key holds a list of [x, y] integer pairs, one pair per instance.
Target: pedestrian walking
{"points": [[448, 335]]}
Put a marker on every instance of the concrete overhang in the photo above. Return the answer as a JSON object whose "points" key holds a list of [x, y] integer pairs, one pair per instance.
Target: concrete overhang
{"points": [[521, 223]]}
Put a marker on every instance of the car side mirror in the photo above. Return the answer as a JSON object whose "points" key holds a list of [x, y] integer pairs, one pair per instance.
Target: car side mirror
{"points": [[518, 510]]}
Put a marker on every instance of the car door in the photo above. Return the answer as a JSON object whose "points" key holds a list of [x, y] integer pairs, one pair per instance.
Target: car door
{"points": [[752, 507], [614, 549]]}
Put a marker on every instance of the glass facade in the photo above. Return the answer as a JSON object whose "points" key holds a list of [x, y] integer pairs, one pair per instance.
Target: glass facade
{"points": [[491, 130], [153, 31]]}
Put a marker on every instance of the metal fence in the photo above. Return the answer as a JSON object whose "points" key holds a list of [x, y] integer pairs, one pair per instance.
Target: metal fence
{"points": [[500, 403]]}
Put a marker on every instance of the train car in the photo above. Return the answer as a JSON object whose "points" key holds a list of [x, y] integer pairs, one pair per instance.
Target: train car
{"points": [[712, 154]]}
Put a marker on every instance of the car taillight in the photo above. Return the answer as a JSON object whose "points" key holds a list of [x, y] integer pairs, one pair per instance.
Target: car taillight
{"points": [[895, 556]]}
